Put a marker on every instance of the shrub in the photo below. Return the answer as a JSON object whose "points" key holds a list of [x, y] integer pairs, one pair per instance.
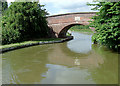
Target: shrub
{"points": [[23, 21], [107, 24]]}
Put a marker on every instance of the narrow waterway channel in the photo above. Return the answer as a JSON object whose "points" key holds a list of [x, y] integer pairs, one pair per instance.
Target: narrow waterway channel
{"points": [[74, 62]]}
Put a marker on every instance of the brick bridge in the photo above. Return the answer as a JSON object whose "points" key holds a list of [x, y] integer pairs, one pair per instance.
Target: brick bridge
{"points": [[60, 24]]}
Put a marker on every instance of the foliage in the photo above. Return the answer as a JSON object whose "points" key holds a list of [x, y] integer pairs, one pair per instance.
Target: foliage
{"points": [[23, 21], [0, 31], [80, 27], [107, 24], [0, 7], [4, 5]]}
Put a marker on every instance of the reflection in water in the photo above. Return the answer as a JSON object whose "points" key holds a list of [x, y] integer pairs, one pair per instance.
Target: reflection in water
{"points": [[81, 43], [109, 69], [58, 74], [75, 62], [60, 56]]}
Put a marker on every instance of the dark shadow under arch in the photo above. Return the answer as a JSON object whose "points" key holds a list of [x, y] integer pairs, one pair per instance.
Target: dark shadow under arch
{"points": [[63, 32]]}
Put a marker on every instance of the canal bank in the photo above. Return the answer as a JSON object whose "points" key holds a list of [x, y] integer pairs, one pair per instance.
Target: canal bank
{"points": [[2, 50]]}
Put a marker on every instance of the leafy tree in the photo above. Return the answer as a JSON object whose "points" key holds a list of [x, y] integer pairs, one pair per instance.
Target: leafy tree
{"points": [[23, 21], [107, 24], [4, 5], [0, 7]]}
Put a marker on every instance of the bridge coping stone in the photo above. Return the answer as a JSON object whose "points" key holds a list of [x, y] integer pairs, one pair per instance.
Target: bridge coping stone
{"points": [[71, 14]]}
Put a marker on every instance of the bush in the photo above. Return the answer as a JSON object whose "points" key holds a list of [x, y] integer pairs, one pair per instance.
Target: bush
{"points": [[107, 24], [23, 21]]}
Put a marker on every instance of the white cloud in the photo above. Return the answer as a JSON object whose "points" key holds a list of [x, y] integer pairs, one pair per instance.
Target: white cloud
{"points": [[66, 6], [10, 1]]}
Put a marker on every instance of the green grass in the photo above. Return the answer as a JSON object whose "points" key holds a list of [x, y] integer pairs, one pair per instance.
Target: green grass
{"points": [[87, 31], [82, 29], [28, 42]]}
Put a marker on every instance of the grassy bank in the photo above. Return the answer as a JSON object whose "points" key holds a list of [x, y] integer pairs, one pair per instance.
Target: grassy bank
{"points": [[87, 31], [29, 42], [82, 29]]}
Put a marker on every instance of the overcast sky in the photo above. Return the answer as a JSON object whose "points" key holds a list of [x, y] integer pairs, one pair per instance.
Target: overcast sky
{"points": [[65, 6]]}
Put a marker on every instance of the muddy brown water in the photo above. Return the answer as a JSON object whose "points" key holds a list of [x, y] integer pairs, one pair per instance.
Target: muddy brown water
{"points": [[74, 62]]}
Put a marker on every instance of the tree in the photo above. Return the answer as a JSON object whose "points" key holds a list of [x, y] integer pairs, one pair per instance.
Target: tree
{"points": [[0, 7], [4, 5], [107, 24], [23, 21]]}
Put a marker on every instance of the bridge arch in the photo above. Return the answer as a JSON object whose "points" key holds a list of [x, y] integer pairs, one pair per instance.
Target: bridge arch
{"points": [[62, 22], [63, 31]]}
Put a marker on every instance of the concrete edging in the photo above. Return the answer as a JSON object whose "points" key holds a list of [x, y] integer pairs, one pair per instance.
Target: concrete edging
{"points": [[33, 44]]}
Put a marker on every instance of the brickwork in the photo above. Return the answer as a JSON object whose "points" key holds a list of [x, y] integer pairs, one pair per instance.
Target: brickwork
{"points": [[61, 23]]}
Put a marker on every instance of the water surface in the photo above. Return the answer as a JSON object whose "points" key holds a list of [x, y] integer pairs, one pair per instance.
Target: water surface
{"points": [[74, 62]]}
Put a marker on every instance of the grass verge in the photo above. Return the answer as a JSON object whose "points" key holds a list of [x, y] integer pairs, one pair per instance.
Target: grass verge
{"points": [[28, 42]]}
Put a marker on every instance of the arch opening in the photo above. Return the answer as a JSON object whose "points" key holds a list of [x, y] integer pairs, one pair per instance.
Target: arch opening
{"points": [[64, 31]]}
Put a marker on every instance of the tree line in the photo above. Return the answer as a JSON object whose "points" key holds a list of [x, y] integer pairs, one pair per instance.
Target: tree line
{"points": [[107, 24], [23, 21]]}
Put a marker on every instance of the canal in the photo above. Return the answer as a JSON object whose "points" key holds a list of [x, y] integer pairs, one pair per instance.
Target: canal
{"points": [[78, 61]]}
